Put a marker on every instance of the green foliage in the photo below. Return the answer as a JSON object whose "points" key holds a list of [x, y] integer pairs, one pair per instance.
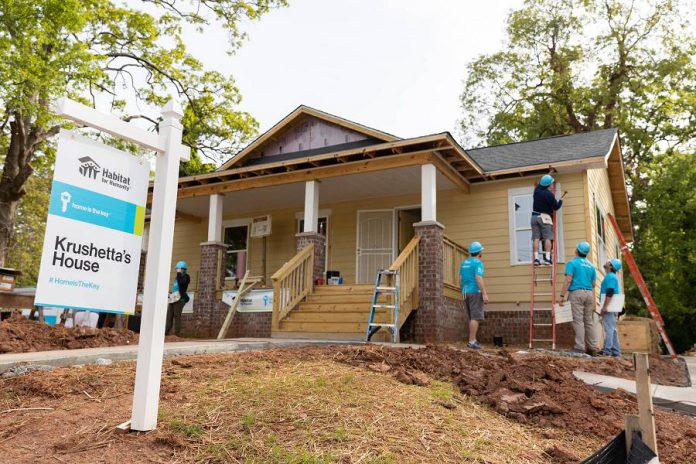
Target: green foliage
{"points": [[130, 60], [571, 66], [668, 247]]}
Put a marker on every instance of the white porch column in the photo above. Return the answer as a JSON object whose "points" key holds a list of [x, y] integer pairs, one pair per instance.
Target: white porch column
{"points": [[428, 193], [215, 218], [311, 207]]}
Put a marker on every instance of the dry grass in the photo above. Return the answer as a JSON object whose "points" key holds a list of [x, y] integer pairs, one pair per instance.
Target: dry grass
{"points": [[321, 411]]}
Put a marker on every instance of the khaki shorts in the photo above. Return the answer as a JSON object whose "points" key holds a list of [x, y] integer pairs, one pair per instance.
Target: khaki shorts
{"points": [[541, 230], [474, 305]]}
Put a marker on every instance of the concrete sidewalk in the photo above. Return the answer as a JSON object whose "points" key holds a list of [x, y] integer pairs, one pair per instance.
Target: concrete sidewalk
{"points": [[679, 398], [63, 358]]}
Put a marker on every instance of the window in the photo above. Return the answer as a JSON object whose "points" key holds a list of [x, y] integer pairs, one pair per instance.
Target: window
{"points": [[236, 238], [600, 229], [520, 202]]}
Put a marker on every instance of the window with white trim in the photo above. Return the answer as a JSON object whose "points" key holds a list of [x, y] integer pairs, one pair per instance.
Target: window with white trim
{"points": [[236, 237], [520, 201], [601, 233]]}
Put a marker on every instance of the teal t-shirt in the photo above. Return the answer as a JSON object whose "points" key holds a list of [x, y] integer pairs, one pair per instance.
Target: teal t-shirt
{"points": [[583, 272], [470, 268], [610, 281]]}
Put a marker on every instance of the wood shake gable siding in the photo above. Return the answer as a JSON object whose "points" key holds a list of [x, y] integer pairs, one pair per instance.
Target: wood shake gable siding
{"points": [[480, 215]]}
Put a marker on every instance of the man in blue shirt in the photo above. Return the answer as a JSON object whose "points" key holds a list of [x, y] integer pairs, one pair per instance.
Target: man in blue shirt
{"points": [[579, 281], [473, 291], [610, 288], [544, 205]]}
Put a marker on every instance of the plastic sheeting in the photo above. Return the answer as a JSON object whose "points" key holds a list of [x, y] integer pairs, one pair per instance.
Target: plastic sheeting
{"points": [[614, 452]]}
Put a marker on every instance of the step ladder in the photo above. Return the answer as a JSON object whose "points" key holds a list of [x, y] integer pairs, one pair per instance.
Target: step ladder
{"points": [[543, 285], [642, 287], [383, 287]]}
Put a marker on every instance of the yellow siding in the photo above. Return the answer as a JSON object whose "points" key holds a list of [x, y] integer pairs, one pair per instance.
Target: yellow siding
{"points": [[480, 215], [599, 190]]}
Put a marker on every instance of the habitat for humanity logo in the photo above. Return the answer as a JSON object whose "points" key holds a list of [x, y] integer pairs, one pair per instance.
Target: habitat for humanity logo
{"points": [[90, 168]]}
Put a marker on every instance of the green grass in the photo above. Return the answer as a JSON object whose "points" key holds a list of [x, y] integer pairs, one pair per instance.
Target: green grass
{"points": [[188, 429]]}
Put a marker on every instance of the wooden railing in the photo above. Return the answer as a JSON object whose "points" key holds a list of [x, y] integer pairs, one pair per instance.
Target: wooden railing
{"points": [[407, 265], [452, 256], [292, 282]]}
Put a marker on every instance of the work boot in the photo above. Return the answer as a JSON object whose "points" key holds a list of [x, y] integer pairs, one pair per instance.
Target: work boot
{"points": [[537, 262]]}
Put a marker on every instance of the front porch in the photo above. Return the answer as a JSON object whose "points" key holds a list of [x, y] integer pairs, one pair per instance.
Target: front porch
{"points": [[352, 225]]}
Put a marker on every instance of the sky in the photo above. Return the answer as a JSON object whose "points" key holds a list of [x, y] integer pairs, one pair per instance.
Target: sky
{"points": [[395, 65]]}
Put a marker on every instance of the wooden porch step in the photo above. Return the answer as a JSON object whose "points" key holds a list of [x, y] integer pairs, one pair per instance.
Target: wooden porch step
{"points": [[339, 298], [361, 307], [321, 327], [337, 317], [344, 289]]}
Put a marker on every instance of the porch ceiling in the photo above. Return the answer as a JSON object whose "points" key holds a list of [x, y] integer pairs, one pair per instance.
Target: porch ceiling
{"points": [[393, 182]]}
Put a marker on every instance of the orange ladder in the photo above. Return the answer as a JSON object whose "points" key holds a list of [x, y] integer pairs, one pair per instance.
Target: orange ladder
{"points": [[642, 286], [544, 285]]}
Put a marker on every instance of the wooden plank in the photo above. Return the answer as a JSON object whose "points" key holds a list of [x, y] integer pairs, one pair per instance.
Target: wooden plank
{"points": [[631, 426], [645, 406]]}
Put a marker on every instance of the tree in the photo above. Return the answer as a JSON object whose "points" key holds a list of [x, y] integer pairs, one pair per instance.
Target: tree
{"points": [[668, 248], [572, 66], [99, 50]]}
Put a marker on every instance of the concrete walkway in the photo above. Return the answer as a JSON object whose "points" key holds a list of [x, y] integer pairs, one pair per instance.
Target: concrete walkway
{"points": [[63, 358], [679, 398]]}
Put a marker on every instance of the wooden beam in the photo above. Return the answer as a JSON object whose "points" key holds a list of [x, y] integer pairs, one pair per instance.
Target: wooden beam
{"points": [[354, 167], [452, 174]]}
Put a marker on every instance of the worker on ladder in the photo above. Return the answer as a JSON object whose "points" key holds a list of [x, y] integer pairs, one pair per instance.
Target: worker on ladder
{"points": [[473, 291], [580, 276], [544, 205]]}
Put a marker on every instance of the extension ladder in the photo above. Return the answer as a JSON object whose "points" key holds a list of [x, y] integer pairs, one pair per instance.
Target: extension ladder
{"points": [[392, 294], [642, 286], [544, 285]]}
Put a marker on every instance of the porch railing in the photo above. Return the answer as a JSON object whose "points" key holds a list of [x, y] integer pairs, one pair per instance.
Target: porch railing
{"points": [[292, 282], [452, 256], [407, 265]]}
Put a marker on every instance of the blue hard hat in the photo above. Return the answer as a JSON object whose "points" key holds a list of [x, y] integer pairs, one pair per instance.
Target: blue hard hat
{"points": [[181, 265], [584, 248], [475, 247], [616, 264], [546, 180]]}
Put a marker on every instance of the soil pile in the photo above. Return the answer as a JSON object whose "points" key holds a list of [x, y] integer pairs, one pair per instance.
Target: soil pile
{"points": [[532, 389], [20, 335]]}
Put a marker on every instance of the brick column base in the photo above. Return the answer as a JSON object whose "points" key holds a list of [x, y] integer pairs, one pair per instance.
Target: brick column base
{"points": [[426, 324], [208, 309], [319, 241]]}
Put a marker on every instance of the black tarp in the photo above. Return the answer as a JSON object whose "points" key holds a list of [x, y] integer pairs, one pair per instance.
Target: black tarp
{"points": [[614, 452]]}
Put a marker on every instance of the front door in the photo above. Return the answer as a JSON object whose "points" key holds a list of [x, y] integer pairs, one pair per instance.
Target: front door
{"points": [[375, 243]]}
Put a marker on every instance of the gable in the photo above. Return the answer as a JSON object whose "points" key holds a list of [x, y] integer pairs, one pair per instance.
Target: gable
{"points": [[306, 130]]}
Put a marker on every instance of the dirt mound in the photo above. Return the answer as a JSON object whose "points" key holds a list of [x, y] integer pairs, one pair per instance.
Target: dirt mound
{"points": [[537, 390], [20, 335]]}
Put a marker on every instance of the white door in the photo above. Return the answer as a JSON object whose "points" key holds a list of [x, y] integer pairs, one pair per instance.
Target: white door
{"points": [[375, 243]]}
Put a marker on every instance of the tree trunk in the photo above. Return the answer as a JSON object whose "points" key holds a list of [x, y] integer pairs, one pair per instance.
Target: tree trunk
{"points": [[8, 215]]}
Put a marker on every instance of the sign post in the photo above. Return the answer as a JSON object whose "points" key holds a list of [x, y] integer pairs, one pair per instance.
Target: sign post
{"points": [[169, 153]]}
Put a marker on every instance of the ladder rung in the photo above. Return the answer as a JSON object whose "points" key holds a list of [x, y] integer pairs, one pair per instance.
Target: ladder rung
{"points": [[385, 289], [543, 280], [384, 306], [542, 339], [374, 324], [542, 294], [542, 309], [386, 272], [544, 324]]}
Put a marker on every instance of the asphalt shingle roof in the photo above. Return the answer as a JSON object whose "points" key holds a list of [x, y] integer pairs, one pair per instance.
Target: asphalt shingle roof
{"points": [[544, 151]]}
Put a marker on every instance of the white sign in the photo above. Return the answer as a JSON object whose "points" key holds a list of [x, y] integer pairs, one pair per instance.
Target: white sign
{"points": [[255, 301], [616, 303], [91, 251], [261, 226]]}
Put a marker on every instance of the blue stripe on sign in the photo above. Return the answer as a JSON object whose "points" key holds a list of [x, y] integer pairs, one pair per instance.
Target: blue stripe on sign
{"points": [[81, 308], [83, 205]]}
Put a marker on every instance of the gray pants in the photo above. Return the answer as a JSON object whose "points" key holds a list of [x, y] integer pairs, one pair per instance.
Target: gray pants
{"points": [[174, 317], [584, 323]]}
